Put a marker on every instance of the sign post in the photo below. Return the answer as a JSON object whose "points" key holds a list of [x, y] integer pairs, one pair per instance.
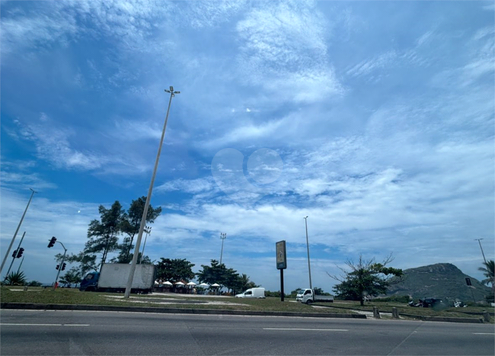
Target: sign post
{"points": [[281, 265]]}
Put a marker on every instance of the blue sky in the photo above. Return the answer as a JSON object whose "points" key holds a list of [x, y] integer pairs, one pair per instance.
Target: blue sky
{"points": [[375, 119]]}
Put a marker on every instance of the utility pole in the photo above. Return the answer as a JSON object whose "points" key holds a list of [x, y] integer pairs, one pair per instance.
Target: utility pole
{"points": [[479, 241], [148, 198], [307, 245], [223, 236], [16, 231]]}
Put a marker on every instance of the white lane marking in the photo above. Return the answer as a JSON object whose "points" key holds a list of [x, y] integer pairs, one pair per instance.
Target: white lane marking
{"points": [[17, 324], [300, 329], [483, 333]]}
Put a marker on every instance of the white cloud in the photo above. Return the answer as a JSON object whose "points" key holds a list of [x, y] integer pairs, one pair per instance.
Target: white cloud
{"points": [[283, 50]]}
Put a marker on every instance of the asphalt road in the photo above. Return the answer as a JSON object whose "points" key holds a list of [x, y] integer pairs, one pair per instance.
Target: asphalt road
{"points": [[25, 332]]}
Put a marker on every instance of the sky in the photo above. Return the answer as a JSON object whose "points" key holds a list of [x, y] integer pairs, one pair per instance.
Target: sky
{"points": [[374, 119]]}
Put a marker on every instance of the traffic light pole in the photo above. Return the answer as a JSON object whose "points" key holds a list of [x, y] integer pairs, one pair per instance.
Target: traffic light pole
{"points": [[61, 264], [14, 256], [16, 231]]}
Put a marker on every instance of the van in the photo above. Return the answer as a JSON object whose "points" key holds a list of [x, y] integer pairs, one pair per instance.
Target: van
{"points": [[252, 293]]}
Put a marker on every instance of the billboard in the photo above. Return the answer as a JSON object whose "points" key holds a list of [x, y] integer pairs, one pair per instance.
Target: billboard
{"points": [[281, 255]]}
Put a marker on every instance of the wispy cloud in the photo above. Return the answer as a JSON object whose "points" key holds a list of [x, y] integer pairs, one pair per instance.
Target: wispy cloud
{"points": [[283, 50]]}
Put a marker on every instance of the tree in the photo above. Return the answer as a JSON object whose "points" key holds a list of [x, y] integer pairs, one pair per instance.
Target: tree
{"points": [[87, 262], [15, 279], [102, 234], [227, 277], [488, 270], [131, 222], [365, 278], [215, 273], [72, 276], [174, 270]]}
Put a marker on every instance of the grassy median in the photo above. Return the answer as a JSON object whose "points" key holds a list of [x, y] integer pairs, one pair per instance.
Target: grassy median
{"points": [[73, 296]]}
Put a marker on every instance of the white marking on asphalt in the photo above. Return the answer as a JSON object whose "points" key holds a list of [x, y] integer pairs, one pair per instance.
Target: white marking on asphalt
{"points": [[300, 329], [483, 333], [16, 324]]}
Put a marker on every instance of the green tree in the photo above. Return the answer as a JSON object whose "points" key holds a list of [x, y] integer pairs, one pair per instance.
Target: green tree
{"points": [[215, 273], [72, 276], [34, 284], [131, 222], [87, 262], [174, 270], [365, 278], [226, 277], [103, 234]]}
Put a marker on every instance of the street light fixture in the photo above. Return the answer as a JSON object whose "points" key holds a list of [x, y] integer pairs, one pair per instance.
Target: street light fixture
{"points": [[307, 245], [148, 198], [223, 236], [147, 230]]}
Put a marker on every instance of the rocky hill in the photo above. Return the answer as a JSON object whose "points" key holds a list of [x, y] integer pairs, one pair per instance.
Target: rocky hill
{"points": [[442, 280]]}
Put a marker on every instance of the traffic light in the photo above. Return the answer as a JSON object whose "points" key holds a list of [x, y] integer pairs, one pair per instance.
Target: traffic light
{"points": [[19, 254], [63, 266], [58, 266], [52, 242], [14, 254]]}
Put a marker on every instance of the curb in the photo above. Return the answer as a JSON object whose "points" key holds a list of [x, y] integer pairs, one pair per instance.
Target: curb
{"points": [[31, 306], [447, 319]]}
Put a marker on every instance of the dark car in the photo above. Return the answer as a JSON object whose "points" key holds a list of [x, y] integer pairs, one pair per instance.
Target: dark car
{"points": [[430, 302]]}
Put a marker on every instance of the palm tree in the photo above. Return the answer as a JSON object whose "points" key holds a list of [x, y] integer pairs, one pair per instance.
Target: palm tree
{"points": [[488, 271], [15, 279]]}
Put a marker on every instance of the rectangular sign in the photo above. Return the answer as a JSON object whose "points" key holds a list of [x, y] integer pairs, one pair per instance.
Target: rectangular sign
{"points": [[281, 255]]}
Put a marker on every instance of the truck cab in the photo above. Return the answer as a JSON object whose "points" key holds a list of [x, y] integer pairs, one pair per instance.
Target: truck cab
{"points": [[90, 282]]}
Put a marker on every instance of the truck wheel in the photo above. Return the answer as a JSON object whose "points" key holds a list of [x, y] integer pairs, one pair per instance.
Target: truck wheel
{"points": [[309, 301]]}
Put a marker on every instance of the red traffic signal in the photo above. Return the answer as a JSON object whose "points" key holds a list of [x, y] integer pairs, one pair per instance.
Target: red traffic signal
{"points": [[52, 242]]}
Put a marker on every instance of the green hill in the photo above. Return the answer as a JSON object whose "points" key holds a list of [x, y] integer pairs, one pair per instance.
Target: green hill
{"points": [[441, 280]]}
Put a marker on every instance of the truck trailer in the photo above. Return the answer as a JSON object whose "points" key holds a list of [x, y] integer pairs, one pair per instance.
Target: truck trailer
{"points": [[113, 278]]}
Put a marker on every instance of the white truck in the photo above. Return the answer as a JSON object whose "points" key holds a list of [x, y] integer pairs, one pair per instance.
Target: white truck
{"points": [[309, 296], [252, 293], [113, 278]]}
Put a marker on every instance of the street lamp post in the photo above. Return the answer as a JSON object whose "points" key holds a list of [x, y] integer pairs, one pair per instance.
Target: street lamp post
{"points": [[307, 245], [16, 231], [148, 198], [223, 236], [479, 241]]}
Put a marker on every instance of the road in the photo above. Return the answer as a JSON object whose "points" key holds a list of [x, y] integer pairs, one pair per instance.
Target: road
{"points": [[25, 332]]}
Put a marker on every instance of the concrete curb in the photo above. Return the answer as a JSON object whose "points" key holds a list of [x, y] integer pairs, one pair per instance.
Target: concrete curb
{"points": [[31, 306], [447, 319]]}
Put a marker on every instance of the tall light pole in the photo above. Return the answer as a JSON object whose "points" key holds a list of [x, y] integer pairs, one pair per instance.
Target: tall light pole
{"points": [[223, 236], [479, 241], [16, 231], [148, 198], [307, 244]]}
